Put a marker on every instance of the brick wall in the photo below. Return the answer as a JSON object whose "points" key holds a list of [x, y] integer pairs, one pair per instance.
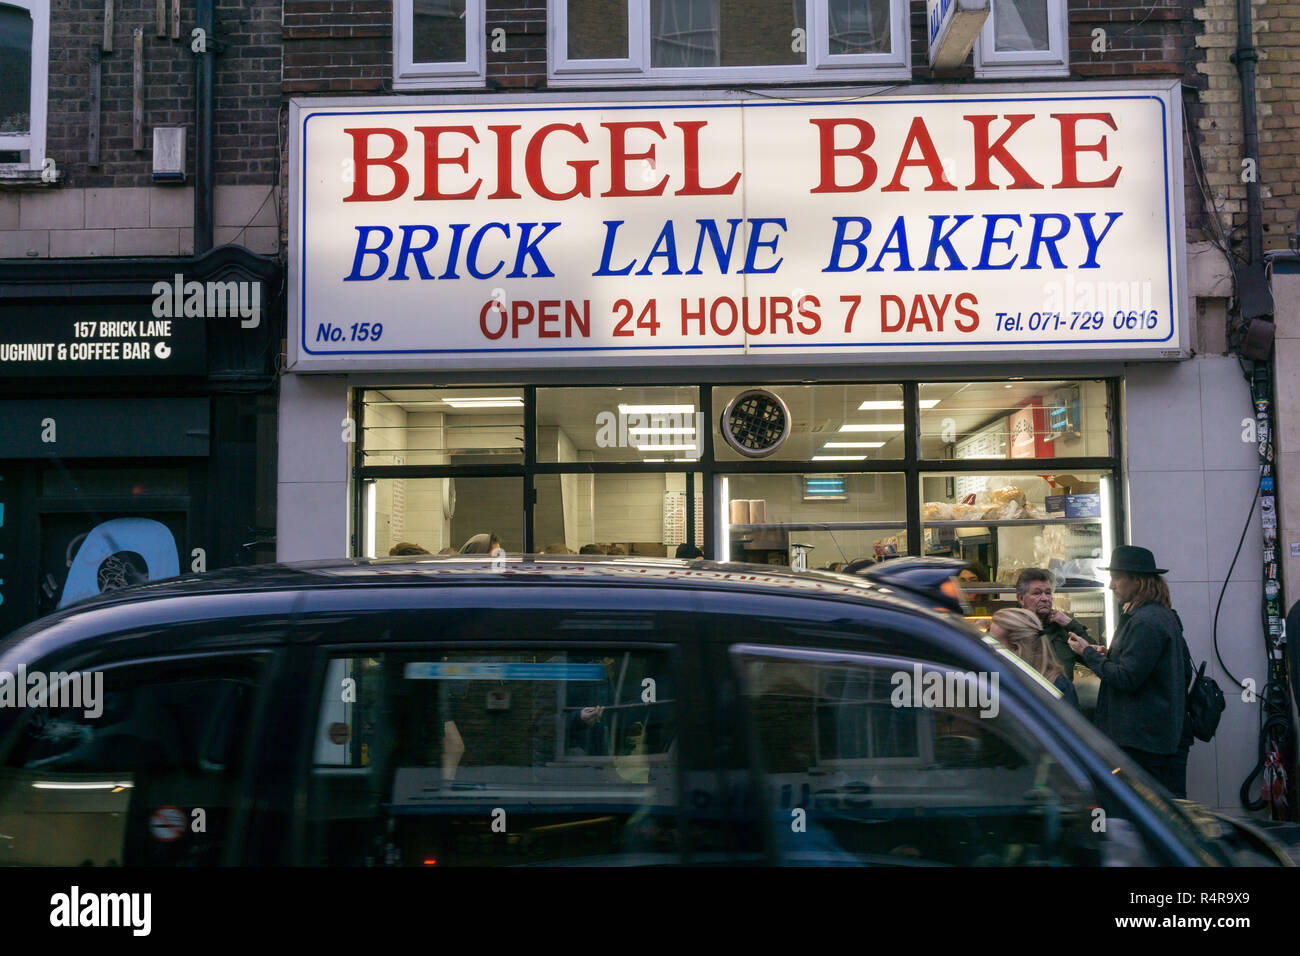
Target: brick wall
{"points": [[1277, 32], [246, 90]]}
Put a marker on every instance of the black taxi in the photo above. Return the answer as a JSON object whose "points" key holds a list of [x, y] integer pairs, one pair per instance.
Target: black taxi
{"points": [[550, 710]]}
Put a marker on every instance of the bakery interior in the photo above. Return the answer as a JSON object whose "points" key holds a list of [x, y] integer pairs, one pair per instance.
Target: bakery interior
{"points": [[1003, 474]]}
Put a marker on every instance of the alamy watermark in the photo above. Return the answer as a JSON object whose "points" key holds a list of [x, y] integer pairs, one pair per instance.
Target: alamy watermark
{"points": [[208, 300], [1095, 295], [82, 690], [947, 689]]}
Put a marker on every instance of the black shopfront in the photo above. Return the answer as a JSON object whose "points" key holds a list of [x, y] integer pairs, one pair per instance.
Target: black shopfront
{"points": [[137, 422]]}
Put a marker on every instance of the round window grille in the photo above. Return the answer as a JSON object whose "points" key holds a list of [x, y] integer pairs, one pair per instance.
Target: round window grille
{"points": [[755, 423]]}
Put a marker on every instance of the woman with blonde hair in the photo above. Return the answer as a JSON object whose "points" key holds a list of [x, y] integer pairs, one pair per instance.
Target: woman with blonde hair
{"points": [[1020, 631]]}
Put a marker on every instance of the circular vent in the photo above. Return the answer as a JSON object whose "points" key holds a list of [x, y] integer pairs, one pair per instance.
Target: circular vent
{"points": [[755, 423]]}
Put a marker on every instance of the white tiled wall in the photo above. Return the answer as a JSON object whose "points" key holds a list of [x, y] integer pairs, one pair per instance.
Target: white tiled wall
{"points": [[1191, 479]]}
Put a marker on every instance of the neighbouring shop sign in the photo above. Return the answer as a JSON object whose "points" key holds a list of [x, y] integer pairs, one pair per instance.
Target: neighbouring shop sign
{"points": [[935, 226], [99, 338]]}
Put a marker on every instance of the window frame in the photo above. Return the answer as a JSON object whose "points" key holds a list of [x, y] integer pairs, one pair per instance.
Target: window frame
{"points": [[34, 140], [711, 469], [410, 74], [1054, 62], [636, 68]]}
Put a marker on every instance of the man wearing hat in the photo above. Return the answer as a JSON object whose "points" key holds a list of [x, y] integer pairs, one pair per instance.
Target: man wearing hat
{"points": [[1144, 673]]}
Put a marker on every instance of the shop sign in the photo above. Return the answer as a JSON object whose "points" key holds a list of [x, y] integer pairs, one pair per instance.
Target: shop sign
{"points": [[931, 226], [100, 338], [952, 27]]}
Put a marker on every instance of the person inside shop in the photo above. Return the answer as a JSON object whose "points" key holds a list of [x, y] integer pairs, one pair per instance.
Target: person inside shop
{"points": [[973, 573], [688, 551], [1144, 673], [1034, 592], [1021, 632], [591, 549], [406, 548], [487, 543]]}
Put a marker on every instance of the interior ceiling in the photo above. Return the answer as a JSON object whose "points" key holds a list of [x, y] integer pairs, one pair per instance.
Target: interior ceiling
{"points": [[817, 409]]}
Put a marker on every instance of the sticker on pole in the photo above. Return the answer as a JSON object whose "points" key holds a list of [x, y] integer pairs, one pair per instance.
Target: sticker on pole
{"points": [[166, 824], [339, 733]]}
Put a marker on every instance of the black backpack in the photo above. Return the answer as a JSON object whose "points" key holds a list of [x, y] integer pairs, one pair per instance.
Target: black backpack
{"points": [[1205, 704]]}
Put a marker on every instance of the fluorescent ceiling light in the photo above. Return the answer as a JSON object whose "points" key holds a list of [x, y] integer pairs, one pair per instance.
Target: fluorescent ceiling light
{"points": [[894, 405], [496, 401], [656, 409], [839, 457], [665, 447], [59, 785], [854, 444], [886, 427], [662, 431]]}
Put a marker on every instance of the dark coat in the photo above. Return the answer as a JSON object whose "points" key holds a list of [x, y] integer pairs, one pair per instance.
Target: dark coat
{"points": [[1143, 694], [1059, 637]]}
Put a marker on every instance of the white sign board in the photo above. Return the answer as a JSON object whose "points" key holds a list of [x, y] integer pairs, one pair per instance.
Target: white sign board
{"points": [[922, 226]]}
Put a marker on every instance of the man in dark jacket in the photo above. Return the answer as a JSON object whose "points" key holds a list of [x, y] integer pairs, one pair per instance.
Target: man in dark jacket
{"points": [[1143, 696], [1034, 593]]}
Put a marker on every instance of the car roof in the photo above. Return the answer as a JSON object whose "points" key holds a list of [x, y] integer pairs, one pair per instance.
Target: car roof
{"points": [[595, 570]]}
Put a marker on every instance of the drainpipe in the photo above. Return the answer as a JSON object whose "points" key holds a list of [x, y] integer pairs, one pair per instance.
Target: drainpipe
{"points": [[203, 70], [1253, 296]]}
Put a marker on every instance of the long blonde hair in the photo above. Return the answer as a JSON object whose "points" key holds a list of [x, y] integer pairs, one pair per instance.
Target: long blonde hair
{"points": [[1028, 642], [1151, 589]]}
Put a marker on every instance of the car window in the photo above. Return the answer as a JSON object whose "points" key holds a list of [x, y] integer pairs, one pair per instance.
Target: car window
{"points": [[143, 768], [881, 760], [495, 756]]}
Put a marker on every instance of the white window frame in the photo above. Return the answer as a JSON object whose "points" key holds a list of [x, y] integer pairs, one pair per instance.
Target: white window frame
{"points": [[635, 69], [411, 75], [33, 141], [1052, 62]]}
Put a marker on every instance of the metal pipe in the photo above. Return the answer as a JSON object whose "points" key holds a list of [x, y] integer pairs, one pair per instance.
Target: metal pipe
{"points": [[1245, 58], [203, 71]]}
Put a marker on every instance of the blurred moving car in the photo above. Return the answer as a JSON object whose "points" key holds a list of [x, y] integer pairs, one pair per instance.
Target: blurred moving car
{"points": [[560, 710]]}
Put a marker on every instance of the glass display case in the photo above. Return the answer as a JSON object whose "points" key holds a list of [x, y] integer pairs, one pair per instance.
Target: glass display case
{"points": [[1006, 521]]}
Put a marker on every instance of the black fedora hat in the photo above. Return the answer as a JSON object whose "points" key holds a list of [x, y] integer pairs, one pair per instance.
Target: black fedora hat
{"points": [[1134, 560]]}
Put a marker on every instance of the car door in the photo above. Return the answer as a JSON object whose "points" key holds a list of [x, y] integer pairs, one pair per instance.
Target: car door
{"points": [[499, 725], [871, 744]]}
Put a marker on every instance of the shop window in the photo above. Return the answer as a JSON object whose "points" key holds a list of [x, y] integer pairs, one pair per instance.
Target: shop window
{"points": [[438, 44], [654, 425], [647, 514], [828, 423], [1015, 420], [441, 514], [964, 783], [459, 426], [1006, 521], [687, 41], [24, 70], [814, 520], [1023, 38], [97, 786], [509, 757]]}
